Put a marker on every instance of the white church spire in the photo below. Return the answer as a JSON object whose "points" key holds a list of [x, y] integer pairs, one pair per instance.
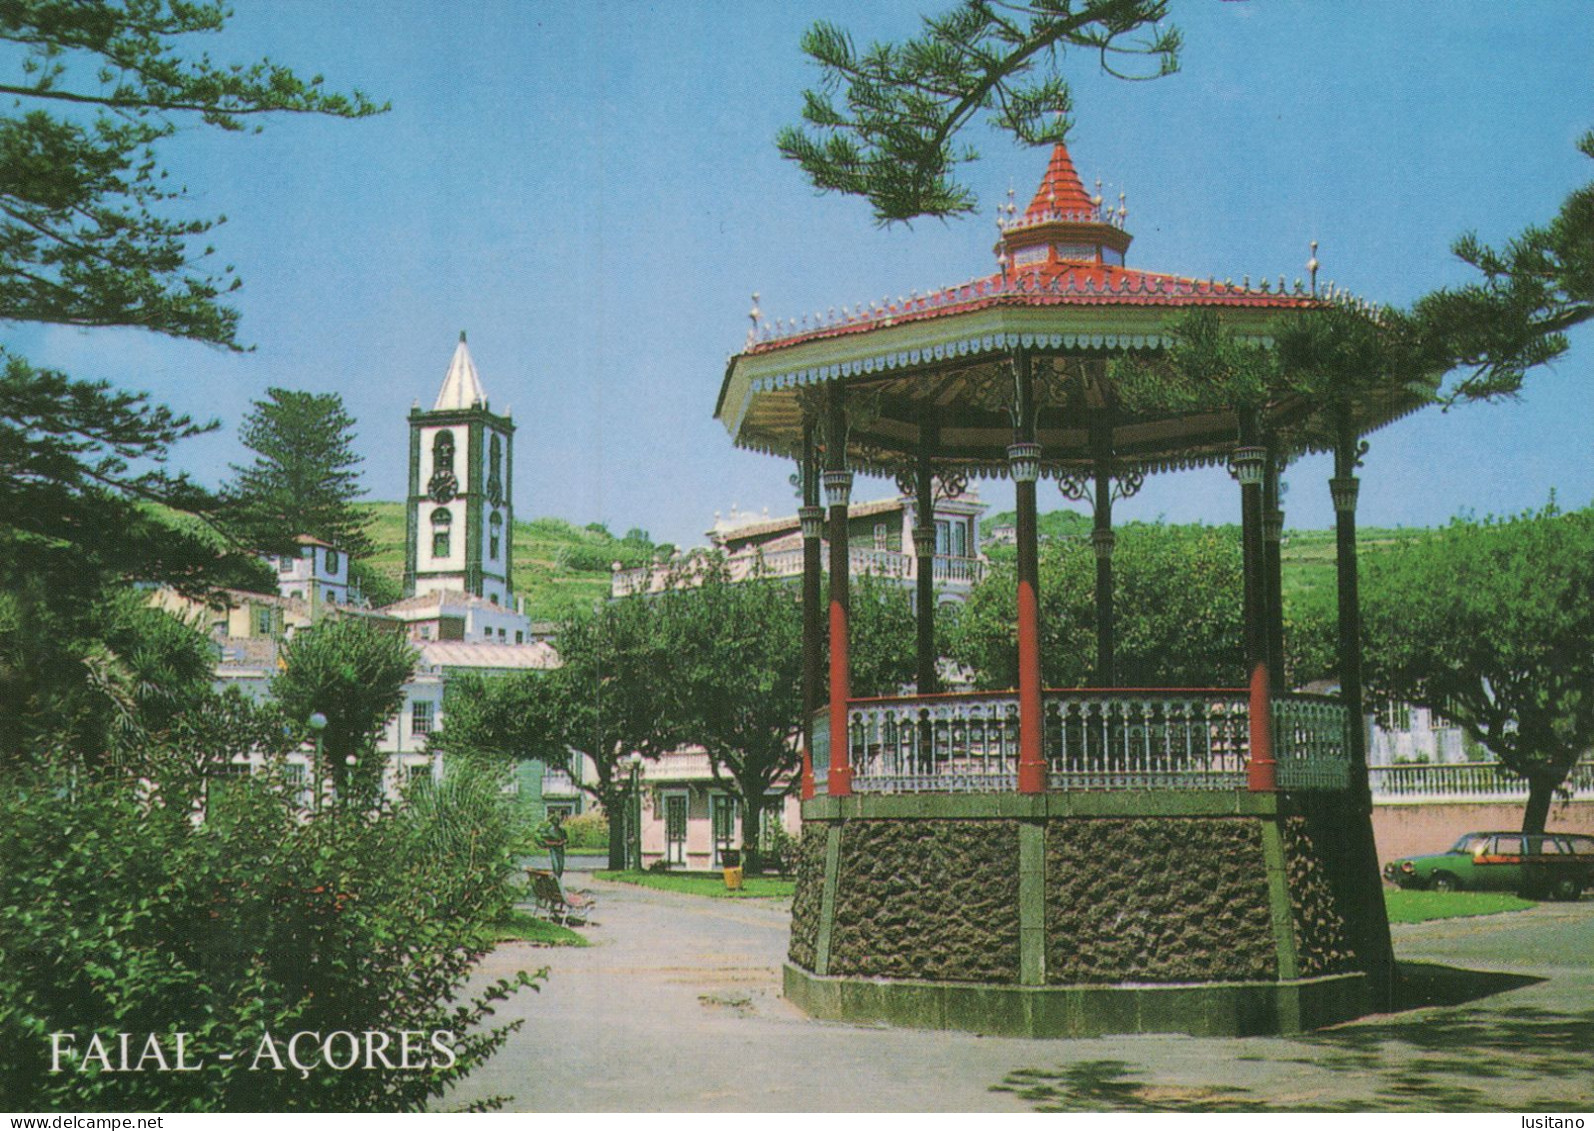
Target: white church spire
{"points": [[461, 388]]}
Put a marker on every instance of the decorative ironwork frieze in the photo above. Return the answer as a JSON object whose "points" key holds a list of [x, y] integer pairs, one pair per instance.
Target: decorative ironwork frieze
{"points": [[951, 484], [1081, 488]]}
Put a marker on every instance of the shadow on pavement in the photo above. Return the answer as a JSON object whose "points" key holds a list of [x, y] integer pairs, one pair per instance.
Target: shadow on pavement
{"points": [[1436, 1056]]}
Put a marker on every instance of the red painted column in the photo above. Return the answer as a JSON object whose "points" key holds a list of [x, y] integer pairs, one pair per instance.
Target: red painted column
{"points": [[812, 518], [1023, 459], [1250, 461], [838, 492]]}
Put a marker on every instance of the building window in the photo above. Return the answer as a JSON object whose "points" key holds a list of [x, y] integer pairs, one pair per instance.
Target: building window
{"points": [[487, 632], [495, 536], [442, 519], [417, 772], [520, 637], [880, 535], [960, 544], [332, 562], [284, 565], [426, 632], [421, 716], [262, 621], [943, 537], [502, 634], [443, 452]]}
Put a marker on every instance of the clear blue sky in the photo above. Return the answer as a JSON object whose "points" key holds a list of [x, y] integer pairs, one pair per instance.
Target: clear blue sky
{"points": [[592, 191]]}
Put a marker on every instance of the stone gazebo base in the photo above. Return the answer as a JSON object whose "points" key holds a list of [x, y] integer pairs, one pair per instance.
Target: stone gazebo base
{"points": [[1071, 914], [1234, 1009]]}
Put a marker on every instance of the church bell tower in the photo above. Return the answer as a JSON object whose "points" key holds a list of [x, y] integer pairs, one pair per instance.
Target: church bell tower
{"points": [[459, 515]]}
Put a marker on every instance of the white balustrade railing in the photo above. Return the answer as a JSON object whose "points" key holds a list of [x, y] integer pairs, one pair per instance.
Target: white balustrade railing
{"points": [[952, 571], [1461, 781]]}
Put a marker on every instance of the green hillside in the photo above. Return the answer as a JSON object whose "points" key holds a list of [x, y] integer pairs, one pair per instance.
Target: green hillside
{"points": [[559, 567]]}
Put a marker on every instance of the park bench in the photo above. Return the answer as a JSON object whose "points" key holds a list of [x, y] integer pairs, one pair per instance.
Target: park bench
{"points": [[557, 902]]}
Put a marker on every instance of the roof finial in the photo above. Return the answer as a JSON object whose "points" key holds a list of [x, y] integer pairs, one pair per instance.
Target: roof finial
{"points": [[1311, 267]]}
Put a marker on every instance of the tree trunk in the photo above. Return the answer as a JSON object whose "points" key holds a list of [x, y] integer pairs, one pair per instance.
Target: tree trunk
{"points": [[752, 817], [614, 807], [1541, 791]]}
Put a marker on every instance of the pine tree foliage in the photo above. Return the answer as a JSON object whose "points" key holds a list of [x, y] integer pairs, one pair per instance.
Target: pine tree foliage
{"points": [[1534, 289], [892, 137], [88, 232], [305, 477], [94, 232]]}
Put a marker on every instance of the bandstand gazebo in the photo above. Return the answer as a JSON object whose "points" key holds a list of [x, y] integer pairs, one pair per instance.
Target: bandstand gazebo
{"points": [[1067, 861]]}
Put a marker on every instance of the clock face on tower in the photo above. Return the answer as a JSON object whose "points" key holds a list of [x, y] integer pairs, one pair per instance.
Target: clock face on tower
{"points": [[443, 486]]}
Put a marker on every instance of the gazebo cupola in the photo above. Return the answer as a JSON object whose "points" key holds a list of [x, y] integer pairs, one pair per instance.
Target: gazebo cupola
{"points": [[1062, 227]]}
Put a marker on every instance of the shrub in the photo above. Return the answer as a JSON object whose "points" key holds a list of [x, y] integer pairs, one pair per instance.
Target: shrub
{"points": [[125, 916], [588, 830]]}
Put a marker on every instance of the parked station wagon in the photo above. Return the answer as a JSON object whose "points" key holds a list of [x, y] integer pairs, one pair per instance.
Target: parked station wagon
{"points": [[1560, 865]]}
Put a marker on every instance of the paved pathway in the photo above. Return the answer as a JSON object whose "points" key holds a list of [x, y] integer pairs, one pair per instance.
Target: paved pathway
{"points": [[677, 1007]]}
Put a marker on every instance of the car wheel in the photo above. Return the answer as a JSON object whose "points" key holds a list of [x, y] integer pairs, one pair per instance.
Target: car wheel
{"points": [[1567, 890], [1444, 881]]}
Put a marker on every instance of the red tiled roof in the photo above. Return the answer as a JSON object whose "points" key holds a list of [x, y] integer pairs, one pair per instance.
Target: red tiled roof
{"points": [[1060, 191], [1051, 281], [1055, 284]]}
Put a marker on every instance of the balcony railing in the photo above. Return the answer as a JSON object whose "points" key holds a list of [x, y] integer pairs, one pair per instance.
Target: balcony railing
{"points": [[954, 572], [1112, 739]]}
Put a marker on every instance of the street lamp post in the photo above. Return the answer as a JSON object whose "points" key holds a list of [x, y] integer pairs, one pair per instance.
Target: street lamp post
{"points": [[634, 840], [317, 723]]}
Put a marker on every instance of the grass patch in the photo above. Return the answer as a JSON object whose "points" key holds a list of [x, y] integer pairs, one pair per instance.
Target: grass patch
{"points": [[1420, 906], [705, 883], [522, 926]]}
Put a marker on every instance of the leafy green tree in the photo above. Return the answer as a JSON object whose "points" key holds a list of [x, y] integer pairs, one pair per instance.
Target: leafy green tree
{"points": [[306, 475], [353, 672], [1177, 606], [104, 686], [739, 665], [893, 138], [615, 694], [739, 668], [1489, 623]]}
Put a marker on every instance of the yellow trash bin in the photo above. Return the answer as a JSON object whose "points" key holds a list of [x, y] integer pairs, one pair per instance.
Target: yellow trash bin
{"points": [[733, 879]]}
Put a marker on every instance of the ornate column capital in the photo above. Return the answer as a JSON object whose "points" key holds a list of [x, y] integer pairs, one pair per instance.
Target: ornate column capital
{"points": [[1103, 542], [812, 520], [1248, 464], [1024, 462], [1273, 525], [838, 488], [924, 541], [1344, 489]]}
